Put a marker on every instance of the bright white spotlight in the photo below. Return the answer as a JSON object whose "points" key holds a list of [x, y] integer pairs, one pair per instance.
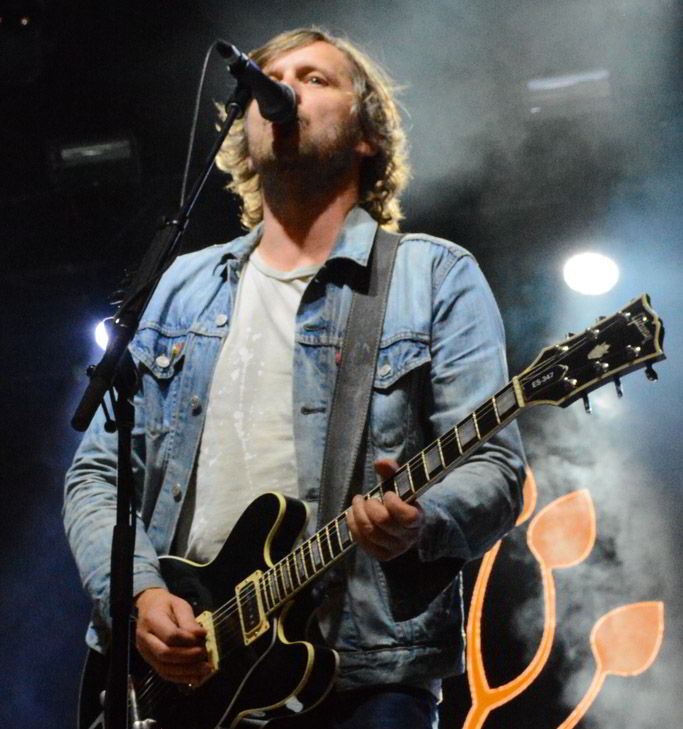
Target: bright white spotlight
{"points": [[101, 336], [590, 273]]}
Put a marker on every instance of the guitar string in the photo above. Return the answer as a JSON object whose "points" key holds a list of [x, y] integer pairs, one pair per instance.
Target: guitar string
{"points": [[275, 574]]}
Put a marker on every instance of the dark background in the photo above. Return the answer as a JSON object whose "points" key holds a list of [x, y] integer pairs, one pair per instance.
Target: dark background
{"points": [[521, 181]]}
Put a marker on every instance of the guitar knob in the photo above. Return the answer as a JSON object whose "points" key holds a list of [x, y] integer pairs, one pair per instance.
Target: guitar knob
{"points": [[632, 352], [593, 334], [600, 367]]}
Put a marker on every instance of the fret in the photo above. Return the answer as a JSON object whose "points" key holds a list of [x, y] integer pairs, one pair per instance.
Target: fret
{"points": [[267, 597], [344, 533], [437, 444], [431, 458], [495, 408], [476, 425], [279, 584], [325, 548], [272, 586], [334, 543], [289, 588], [486, 419], [271, 591], [402, 483], [506, 401], [417, 474], [291, 568], [449, 447], [315, 553], [337, 532], [307, 548], [375, 493], [467, 434], [457, 438], [300, 566]]}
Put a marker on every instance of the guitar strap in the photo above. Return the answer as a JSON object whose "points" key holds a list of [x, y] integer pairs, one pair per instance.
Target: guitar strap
{"points": [[347, 423]]}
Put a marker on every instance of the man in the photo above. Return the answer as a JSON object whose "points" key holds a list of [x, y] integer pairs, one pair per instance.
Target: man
{"points": [[216, 425]]}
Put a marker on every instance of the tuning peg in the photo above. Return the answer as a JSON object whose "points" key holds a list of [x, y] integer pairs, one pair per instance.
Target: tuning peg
{"points": [[651, 374], [617, 384], [569, 383], [600, 367], [587, 403]]}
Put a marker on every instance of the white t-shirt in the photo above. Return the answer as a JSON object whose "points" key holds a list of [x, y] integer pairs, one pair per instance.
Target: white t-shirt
{"points": [[248, 441]]}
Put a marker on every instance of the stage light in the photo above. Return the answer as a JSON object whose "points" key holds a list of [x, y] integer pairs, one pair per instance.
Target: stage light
{"points": [[590, 273], [569, 95], [101, 335], [95, 162]]}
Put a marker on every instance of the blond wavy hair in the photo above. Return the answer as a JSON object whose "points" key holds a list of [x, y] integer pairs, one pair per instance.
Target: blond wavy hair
{"points": [[383, 176]]}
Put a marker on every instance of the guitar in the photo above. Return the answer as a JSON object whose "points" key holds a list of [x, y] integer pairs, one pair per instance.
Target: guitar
{"points": [[245, 598]]}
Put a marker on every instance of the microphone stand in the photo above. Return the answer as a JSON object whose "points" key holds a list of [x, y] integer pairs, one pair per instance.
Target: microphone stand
{"points": [[116, 375]]}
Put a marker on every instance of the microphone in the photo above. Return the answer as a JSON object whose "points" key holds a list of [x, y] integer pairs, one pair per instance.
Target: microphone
{"points": [[276, 101]]}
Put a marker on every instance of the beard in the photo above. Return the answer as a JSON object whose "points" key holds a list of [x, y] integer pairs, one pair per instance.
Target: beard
{"points": [[293, 155]]}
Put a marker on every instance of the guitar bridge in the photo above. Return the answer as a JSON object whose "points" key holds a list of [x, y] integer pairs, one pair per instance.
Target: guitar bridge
{"points": [[250, 606], [205, 619]]}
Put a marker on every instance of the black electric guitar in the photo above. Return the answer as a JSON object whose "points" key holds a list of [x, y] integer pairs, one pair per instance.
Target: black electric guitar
{"points": [[250, 598]]}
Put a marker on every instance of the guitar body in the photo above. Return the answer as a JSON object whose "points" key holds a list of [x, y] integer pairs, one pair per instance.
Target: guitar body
{"points": [[276, 674]]}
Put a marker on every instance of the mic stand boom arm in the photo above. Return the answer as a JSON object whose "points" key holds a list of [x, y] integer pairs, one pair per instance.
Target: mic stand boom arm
{"points": [[115, 372]]}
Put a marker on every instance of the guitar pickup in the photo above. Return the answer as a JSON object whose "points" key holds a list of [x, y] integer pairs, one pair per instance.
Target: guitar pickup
{"points": [[205, 619], [250, 606]]}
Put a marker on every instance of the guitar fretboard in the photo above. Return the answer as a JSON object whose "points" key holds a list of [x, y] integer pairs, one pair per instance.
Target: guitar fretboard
{"points": [[313, 556]]}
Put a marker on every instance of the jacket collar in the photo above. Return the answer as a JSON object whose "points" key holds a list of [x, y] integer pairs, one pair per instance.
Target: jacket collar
{"points": [[354, 241]]}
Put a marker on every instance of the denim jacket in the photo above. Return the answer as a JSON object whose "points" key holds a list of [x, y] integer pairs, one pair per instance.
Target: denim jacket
{"points": [[441, 355]]}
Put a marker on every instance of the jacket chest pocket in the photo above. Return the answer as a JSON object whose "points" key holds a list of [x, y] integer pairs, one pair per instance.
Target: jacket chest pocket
{"points": [[399, 389], [160, 359]]}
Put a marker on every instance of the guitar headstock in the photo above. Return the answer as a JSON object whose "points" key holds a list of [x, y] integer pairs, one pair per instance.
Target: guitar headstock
{"points": [[615, 345]]}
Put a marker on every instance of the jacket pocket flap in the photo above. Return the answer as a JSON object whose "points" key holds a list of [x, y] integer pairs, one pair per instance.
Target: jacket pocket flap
{"points": [[158, 352], [397, 358]]}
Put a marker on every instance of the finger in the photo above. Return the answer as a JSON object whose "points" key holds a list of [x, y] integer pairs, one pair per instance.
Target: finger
{"points": [[409, 516], [363, 518], [185, 619], [153, 648], [386, 467], [393, 517], [163, 623]]}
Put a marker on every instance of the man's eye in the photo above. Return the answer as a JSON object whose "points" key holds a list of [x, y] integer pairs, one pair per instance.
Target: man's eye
{"points": [[317, 80]]}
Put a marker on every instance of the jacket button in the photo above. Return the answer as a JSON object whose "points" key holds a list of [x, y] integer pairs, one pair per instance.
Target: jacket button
{"points": [[196, 403], [385, 370], [177, 492], [221, 320], [163, 361]]}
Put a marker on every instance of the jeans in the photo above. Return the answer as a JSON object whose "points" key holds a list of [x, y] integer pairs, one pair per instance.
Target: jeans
{"points": [[386, 707]]}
